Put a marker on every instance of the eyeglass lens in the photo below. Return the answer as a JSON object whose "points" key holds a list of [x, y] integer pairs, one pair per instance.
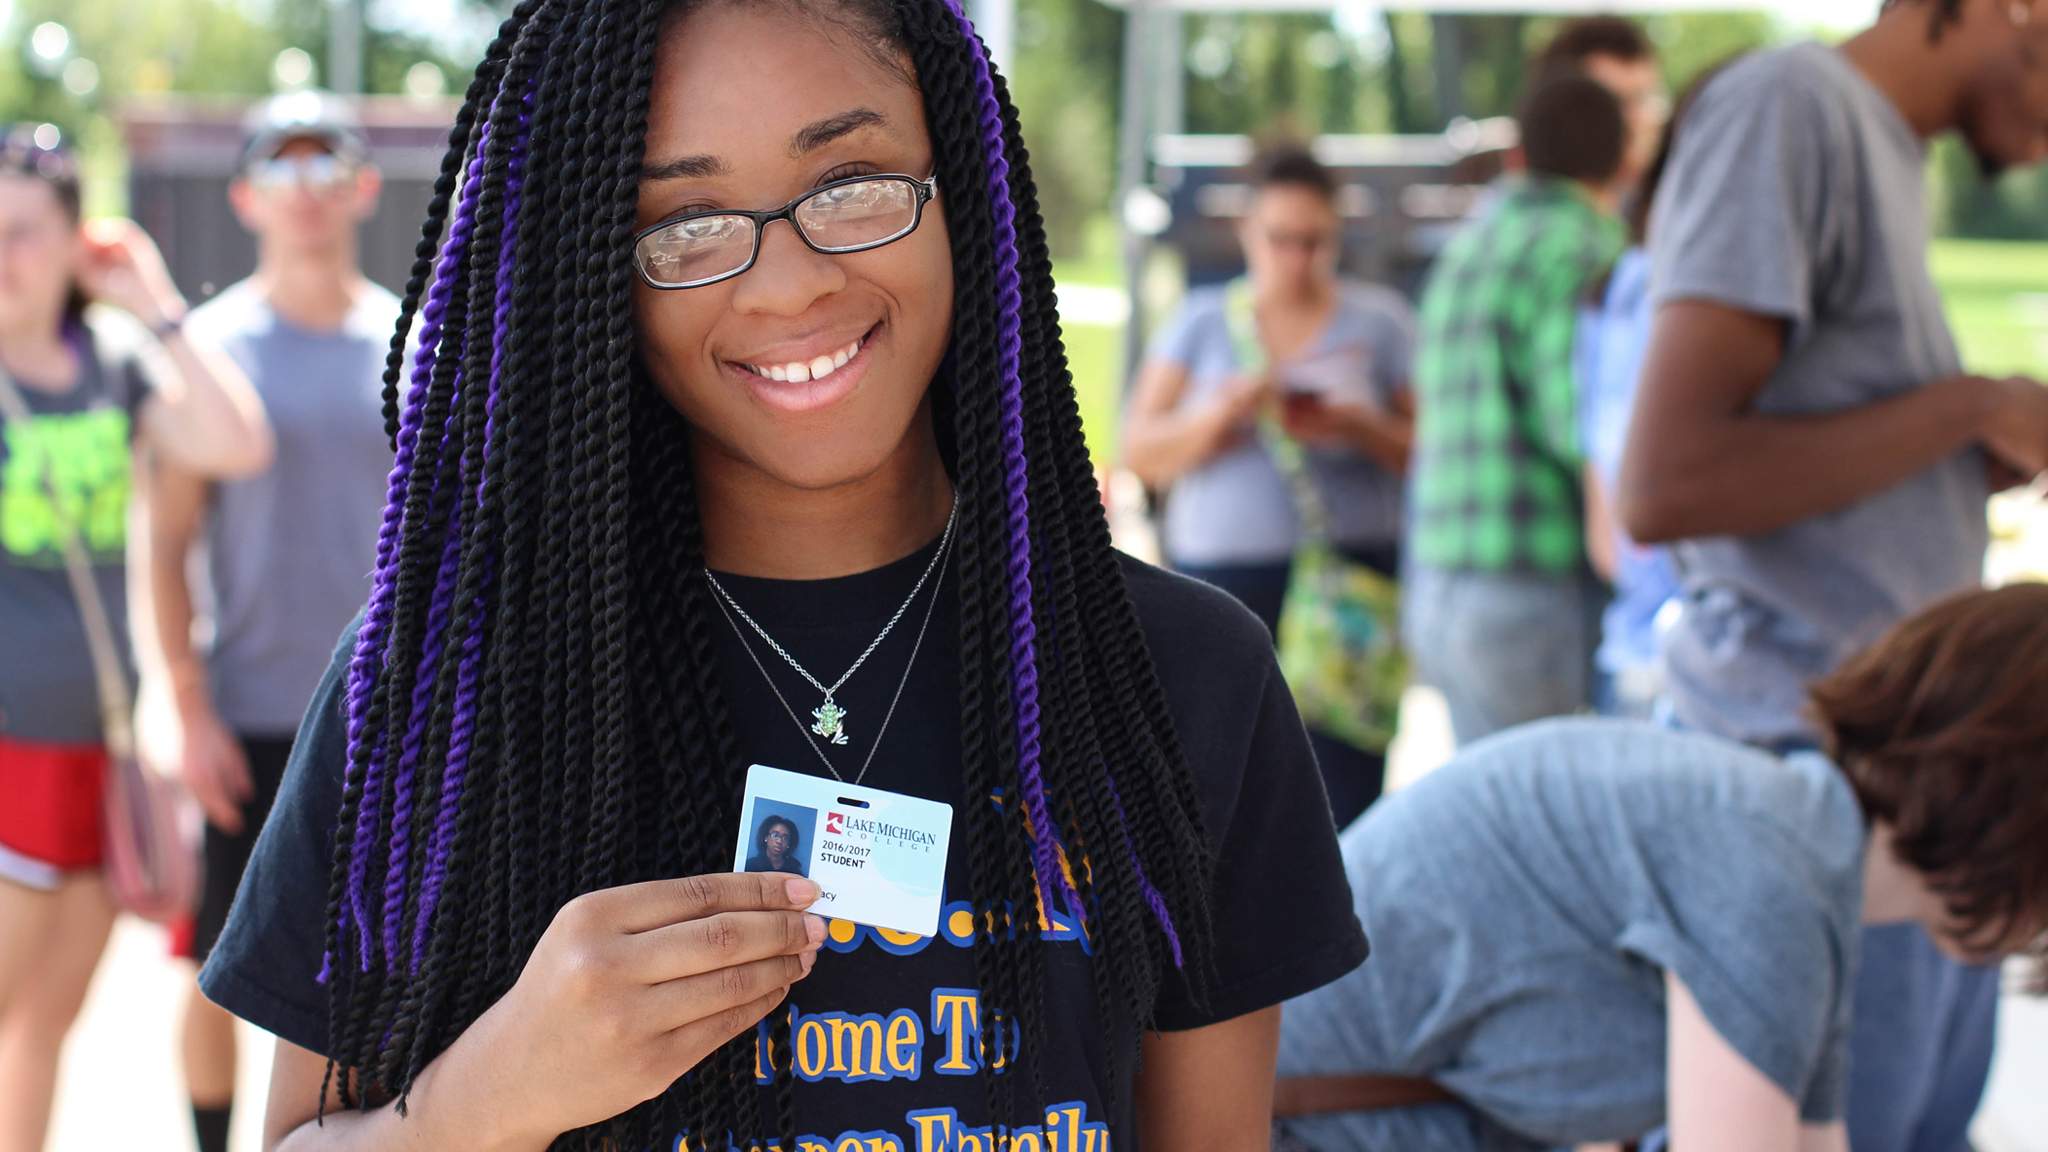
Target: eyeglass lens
{"points": [[842, 217], [316, 172]]}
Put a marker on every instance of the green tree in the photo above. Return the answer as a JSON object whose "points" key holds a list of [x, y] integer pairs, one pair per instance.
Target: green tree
{"points": [[219, 48]]}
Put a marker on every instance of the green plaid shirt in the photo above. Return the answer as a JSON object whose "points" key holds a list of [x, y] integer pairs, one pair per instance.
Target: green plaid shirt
{"points": [[1495, 481]]}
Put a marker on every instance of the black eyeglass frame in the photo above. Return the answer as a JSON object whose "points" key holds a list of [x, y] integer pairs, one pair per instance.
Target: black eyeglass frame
{"points": [[926, 190]]}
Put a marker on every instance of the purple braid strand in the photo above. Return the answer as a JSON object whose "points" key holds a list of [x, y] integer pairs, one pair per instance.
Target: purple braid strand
{"points": [[467, 671], [1052, 879], [370, 637], [1153, 899]]}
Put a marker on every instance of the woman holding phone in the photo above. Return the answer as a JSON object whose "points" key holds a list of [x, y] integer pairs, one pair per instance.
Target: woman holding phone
{"points": [[1334, 381]]}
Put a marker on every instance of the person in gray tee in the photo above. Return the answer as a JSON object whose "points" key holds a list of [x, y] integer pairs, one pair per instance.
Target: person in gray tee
{"points": [[1205, 422], [1583, 929], [1808, 440], [286, 553]]}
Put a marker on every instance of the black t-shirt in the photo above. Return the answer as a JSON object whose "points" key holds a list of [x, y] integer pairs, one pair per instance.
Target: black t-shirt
{"points": [[884, 1026]]}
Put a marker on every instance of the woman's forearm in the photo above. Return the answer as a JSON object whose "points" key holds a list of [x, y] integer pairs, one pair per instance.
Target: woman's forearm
{"points": [[208, 419], [454, 1107], [1162, 447]]}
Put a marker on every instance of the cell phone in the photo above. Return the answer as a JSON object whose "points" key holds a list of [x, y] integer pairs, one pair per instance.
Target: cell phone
{"points": [[1339, 372]]}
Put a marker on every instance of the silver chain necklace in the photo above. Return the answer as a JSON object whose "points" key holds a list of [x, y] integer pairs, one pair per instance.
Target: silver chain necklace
{"points": [[829, 719], [945, 543]]}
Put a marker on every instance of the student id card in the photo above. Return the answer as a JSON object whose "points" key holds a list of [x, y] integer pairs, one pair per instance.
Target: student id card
{"points": [[879, 858]]}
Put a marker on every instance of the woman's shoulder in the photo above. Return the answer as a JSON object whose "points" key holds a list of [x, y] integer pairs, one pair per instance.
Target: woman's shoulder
{"points": [[1204, 644], [1203, 305], [1365, 298]]}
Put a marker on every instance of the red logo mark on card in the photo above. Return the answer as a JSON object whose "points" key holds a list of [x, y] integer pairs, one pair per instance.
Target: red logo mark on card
{"points": [[835, 823]]}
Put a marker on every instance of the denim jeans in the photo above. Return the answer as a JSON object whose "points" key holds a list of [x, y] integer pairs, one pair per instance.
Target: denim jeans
{"points": [[1504, 648]]}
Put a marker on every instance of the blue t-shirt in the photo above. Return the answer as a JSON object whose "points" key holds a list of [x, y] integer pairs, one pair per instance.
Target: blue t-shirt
{"points": [[1613, 337], [289, 549], [1237, 508], [1525, 902]]}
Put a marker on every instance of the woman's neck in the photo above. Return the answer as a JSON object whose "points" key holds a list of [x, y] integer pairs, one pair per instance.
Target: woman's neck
{"points": [[1311, 300], [36, 355], [755, 525]]}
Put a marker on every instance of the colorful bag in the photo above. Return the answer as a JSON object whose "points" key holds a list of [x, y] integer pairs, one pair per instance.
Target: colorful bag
{"points": [[1340, 639], [152, 827]]}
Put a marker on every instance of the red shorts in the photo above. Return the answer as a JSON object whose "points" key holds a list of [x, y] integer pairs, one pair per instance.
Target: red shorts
{"points": [[54, 810]]}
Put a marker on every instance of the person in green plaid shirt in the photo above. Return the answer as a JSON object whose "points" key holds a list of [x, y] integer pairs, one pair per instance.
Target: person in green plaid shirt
{"points": [[1502, 611]]}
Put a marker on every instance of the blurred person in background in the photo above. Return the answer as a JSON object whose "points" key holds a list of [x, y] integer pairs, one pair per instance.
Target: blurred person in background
{"points": [[100, 387], [1617, 52], [1334, 379], [1807, 435], [283, 548], [1501, 610], [1587, 927], [1614, 334]]}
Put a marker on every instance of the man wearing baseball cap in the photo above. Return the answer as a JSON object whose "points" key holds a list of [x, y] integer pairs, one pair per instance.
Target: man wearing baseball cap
{"points": [[287, 550]]}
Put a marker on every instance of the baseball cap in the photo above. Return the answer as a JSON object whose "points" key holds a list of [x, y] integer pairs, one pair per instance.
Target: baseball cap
{"points": [[304, 115]]}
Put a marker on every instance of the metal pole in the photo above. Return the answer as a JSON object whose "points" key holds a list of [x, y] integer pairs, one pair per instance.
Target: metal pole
{"points": [[1448, 40], [1133, 138], [996, 20], [345, 22]]}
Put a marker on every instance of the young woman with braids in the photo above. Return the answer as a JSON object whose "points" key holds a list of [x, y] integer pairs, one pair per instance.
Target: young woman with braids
{"points": [[738, 357]]}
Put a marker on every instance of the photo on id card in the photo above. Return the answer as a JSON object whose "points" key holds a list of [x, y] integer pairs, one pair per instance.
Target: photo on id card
{"points": [[878, 857]]}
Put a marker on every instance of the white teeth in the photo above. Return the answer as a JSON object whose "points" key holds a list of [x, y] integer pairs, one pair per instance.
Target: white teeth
{"points": [[804, 371]]}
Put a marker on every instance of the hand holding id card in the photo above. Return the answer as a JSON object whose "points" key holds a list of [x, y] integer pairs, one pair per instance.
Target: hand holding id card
{"points": [[879, 858]]}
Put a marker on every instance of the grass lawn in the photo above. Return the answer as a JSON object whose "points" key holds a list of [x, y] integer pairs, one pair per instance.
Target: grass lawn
{"points": [[1997, 297]]}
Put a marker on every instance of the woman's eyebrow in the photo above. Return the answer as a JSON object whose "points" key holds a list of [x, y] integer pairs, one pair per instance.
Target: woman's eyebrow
{"points": [[816, 135], [686, 168], [807, 139]]}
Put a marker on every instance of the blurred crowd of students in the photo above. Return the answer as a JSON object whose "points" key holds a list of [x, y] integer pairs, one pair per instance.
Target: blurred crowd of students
{"points": [[1676, 431]]}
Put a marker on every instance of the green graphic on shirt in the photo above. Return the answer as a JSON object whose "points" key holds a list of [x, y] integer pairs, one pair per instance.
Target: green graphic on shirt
{"points": [[84, 456]]}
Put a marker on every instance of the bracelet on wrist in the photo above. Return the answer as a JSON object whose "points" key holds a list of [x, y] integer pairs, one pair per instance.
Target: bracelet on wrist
{"points": [[172, 323]]}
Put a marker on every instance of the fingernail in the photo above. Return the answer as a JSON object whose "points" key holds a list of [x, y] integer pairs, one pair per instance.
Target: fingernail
{"points": [[814, 927], [802, 891], [808, 960]]}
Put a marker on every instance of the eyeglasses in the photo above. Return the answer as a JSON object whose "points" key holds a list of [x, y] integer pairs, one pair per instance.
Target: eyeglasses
{"points": [[317, 173], [852, 215]]}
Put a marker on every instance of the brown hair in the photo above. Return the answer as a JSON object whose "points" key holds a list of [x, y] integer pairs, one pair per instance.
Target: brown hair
{"points": [[1573, 127], [23, 153], [1942, 729], [1290, 163], [1588, 36]]}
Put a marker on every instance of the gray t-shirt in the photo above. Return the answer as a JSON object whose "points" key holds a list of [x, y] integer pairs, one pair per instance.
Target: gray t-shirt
{"points": [[1237, 508], [48, 693], [1524, 903], [289, 551], [1798, 191]]}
